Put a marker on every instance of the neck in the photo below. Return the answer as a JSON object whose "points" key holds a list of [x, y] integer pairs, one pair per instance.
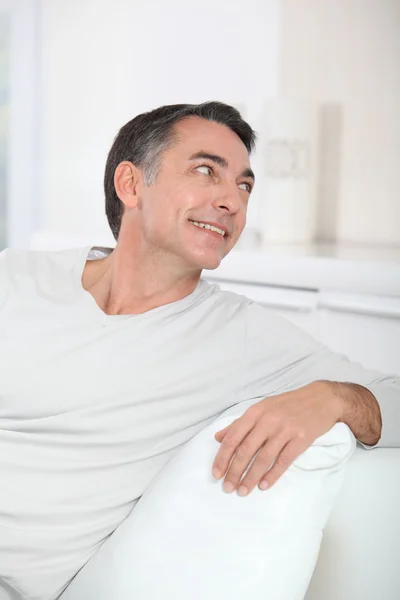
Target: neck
{"points": [[129, 281]]}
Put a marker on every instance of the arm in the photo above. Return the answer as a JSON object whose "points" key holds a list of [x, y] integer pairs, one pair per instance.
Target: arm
{"points": [[280, 357], [304, 390], [360, 411]]}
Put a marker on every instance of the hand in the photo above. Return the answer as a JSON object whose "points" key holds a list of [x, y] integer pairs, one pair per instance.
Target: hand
{"points": [[279, 428]]}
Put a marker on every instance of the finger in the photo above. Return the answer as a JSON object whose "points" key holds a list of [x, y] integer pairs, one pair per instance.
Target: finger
{"points": [[265, 458], [223, 431], [288, 455], [244, 454], [238, 430], [220, 434]]}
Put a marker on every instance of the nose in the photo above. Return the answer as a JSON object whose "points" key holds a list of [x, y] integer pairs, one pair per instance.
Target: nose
{"points": [[227, 198]]}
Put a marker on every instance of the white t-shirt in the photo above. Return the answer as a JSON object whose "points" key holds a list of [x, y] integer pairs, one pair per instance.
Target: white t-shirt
{"points": [[92, 406]]}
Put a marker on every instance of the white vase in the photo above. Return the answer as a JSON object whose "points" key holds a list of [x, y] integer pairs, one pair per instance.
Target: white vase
{"points": [[290, 158]]}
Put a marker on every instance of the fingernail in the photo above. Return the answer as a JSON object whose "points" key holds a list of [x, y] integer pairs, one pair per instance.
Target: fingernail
{"points": [[242, 491], [263, 485], [228, 487], [216, 473]]}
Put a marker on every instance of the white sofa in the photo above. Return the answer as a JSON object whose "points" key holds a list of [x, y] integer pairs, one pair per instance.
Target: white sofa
{"points": [[360, 551], [165, 549]]}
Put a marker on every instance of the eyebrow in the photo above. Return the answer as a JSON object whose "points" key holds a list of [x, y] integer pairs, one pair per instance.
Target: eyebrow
{"points": [[222, 162]]}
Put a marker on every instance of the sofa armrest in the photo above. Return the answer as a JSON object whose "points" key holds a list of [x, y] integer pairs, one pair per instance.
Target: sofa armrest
{"points": [[359, 555], [187, 538]]}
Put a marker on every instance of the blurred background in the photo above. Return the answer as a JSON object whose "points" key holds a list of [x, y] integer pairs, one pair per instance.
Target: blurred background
{"points": [[319, 80]]}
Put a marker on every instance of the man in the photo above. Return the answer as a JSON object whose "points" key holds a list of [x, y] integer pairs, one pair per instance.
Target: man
{"points": [[111, 360]]}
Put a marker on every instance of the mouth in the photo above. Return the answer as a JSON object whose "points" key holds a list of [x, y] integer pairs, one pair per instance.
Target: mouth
{"points": [[215, 230]]}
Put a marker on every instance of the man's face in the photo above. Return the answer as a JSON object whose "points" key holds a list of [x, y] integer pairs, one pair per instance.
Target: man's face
{"points": [[204, 178]]}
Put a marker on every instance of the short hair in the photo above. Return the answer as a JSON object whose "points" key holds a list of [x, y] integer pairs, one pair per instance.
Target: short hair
{"points": [[144, 139]]}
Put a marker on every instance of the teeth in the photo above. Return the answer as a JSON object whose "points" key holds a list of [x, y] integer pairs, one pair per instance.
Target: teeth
{"points": [[211, 227]]}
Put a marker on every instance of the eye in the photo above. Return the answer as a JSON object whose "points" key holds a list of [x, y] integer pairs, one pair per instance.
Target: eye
{"points": [[247, 187], [208, 170]]}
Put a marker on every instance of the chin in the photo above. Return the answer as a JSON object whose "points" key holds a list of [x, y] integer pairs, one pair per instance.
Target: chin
{"points": [[206, 259], [209, 263], [210, 267]]}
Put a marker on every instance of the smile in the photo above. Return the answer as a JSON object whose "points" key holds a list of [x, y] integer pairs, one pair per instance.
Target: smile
{"points": [[220, 232]]}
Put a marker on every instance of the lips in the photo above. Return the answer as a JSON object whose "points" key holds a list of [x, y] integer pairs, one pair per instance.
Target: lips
{"points": [[213, 224]]}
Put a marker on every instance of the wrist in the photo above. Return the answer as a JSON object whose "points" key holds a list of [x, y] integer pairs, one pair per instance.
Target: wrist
{"points": [[358, 408], [335, 393]]}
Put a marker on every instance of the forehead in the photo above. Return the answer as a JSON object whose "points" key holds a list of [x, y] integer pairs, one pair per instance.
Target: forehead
{"points": [[195, 134]]}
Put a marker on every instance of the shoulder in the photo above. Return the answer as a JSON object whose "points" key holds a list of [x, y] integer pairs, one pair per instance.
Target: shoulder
{"points": [[29, 262], [24, 270], [264, 326], [254, 312], [14, 259], [224, 299]]}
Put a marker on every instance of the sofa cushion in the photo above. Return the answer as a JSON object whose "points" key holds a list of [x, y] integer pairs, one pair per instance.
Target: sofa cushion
{"points": [[187, 538]]}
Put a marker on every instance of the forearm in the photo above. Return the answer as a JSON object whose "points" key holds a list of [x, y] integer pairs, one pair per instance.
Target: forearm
{"points": [[360, 411]]}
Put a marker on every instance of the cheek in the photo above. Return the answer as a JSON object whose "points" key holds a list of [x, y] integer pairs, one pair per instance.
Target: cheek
{"points": [[186, 199], [165, 207], [189, 192], [241, 220]]}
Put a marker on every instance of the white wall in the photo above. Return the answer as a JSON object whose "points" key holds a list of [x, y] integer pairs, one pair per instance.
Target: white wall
{"points": [[23, 135], [346, 55], [105, 61]]}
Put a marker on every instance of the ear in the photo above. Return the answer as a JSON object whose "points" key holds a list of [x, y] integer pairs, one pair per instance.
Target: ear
{"points": [[128, 181]]}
